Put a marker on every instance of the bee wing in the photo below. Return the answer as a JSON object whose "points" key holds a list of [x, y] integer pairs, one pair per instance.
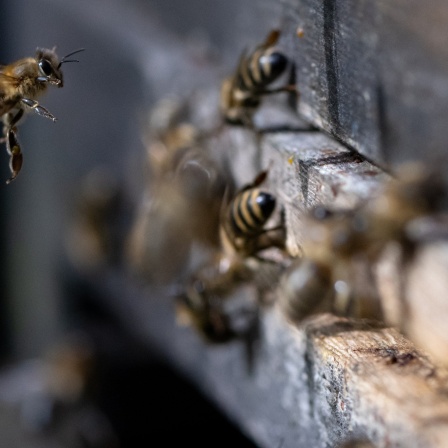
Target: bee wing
{"points": [[225, 232], [224, 203]]}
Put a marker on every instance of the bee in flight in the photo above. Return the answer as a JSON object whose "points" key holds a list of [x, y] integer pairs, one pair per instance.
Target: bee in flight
{"points": [[21, 82], [241, 92]]}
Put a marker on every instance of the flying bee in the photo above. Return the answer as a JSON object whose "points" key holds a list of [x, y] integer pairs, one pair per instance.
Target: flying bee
{"points": [[243, 223], [21, 82], [241, 93]]}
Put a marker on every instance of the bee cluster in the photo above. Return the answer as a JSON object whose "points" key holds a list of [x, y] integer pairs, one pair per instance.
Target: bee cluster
{"points": [[224, 247], [221, 245], [197, 231]]}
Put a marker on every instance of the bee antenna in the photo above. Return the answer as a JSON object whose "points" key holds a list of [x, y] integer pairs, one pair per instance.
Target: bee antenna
{"points": [[64, 59]]}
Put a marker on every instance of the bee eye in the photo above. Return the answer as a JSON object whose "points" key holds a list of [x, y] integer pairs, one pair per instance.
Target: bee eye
{"points": [[45, 66]]}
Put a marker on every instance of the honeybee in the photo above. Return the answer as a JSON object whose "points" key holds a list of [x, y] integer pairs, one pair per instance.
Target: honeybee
{"points": [[178, 218], [95, 233], [243, 222], [306, 288], [326, 279], [20, 84], [343, 247], [241, 93], [236, 268], [204, 303]]}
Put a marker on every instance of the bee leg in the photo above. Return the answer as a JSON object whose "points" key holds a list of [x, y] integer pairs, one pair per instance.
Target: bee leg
{"points": [[40, 110], [5, 131], [248, 123], [273, 237], [16, 157], [9, 122]]}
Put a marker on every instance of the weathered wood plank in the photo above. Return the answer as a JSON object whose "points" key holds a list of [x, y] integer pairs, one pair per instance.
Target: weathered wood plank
{"points": [[383, 378], [310, 169], [319, 384], [372, 74], [336, 62]]}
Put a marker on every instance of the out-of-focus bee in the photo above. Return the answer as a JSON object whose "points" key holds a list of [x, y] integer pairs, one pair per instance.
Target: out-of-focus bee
{"points": [[21, 82], [204, 303], [242, 92], [99, 222], [332, 276], [244, 218], [342, 247], [222, 298], [179, 216], [306, 288], [236, 274]]}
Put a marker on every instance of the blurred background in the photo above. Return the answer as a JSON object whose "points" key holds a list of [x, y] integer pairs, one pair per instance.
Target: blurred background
{"points": [[135, 53]]}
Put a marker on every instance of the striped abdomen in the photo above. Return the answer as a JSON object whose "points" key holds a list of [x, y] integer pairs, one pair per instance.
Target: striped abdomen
{"points": [[249, 211], [261, 68]]}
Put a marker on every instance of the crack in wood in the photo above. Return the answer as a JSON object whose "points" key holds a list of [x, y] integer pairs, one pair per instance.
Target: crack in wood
{"points": [[331, 65]]}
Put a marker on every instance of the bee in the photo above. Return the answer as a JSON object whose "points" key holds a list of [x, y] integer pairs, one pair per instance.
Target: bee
{"points": [[236, 268], [243, 221], [306, 289], [20, 84], [326, 279], [178, 219], [241, 93], [221, 298], [205, 302], [95, 233], [343, 247]]}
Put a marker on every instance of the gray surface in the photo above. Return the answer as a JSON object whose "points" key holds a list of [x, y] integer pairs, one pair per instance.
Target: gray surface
{"points": [[373, 74]]}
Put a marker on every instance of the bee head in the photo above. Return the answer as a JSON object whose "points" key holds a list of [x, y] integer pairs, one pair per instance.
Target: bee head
{"points": [[50, 65]]}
